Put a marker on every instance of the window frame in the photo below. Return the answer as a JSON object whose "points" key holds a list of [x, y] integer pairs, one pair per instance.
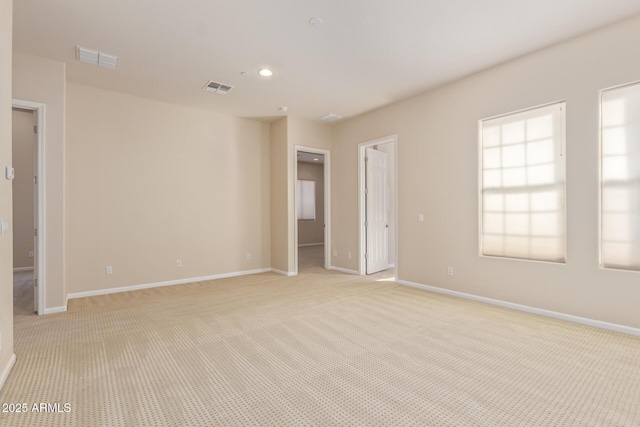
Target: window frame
{"points": [[480, 181], [601, 265]]}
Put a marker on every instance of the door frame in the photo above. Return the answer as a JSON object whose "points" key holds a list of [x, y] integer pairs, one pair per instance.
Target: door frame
{"points": [[39, 110], [362, 232], [327, 203]]}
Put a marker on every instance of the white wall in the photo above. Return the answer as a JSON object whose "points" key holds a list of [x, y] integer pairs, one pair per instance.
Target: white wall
{"points": [[438, 175]]}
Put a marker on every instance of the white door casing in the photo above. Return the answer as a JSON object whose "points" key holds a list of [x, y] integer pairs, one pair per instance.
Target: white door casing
{"points": [[35, 212], [327, 203], [377, 210]]}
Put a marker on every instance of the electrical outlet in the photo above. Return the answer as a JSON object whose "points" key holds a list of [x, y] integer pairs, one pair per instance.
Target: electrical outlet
{"points": [[30, 254], [109, 269], [349, 255], [178, 263], [421, 217], [450, 271], [335, 252], [248, 255]]}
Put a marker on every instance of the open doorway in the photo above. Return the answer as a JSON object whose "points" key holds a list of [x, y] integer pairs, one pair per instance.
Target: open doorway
{"points": [[312, 209], [24, 149], [378, 206], [28, 207]]}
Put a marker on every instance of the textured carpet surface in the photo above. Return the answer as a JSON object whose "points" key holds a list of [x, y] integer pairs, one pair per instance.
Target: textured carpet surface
{"points": [[319, 349]]}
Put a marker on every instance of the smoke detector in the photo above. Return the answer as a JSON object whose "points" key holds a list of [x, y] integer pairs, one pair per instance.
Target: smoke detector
{"points": [[216, 87]]}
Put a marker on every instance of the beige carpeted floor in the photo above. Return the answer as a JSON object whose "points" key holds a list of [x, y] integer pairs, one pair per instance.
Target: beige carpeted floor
{"points": [[320, 349]]}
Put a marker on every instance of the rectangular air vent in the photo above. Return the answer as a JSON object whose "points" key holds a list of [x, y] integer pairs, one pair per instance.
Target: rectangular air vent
{"points": [[87, 56], [216, 87], [94, 57]]}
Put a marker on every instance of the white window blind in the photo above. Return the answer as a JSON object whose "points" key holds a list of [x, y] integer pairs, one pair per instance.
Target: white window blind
{"points": [[523, 180], [306, 199], [620, 178]]}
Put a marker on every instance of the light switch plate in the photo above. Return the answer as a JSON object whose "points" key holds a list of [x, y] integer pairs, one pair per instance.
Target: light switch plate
{"points": [[10, 173], [4, 226]]}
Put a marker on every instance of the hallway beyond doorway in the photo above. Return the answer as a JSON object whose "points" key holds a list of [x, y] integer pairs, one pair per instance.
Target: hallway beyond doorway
{"points": [[23, 293]]}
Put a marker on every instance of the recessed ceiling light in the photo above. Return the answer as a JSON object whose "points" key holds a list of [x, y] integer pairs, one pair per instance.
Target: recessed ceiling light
{"points": [[284, 108], [265, 72], [316, 159]]}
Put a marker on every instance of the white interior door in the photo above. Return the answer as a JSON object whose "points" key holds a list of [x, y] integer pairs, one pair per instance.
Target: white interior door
{"points": [[377, 210], [35, 212]]}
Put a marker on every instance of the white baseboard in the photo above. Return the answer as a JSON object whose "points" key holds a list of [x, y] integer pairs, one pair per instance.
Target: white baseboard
{"points": [[160, 284], [534, 310], [20, 269], [310, 244], [7, 370], [343, 270], [284, 273], [54, 310]]}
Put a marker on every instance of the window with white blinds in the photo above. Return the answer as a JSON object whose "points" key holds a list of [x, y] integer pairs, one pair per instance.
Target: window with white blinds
{"points": [[620, 177], [306, 199], [523, 181]]}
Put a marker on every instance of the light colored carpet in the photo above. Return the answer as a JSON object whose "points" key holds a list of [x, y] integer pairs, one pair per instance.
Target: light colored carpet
{"points": [[318, 349], [310, 259], [23, 293]]}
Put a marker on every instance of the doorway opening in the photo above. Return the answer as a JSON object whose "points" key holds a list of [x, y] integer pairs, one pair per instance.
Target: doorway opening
{"points": [[28, 207], [312, 209], [378, 189]]}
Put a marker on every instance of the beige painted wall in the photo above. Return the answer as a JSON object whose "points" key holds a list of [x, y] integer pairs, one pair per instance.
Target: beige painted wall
{"points": [[310, 232], [150, 183], [23, 139], [438, 175], [41, 80], [6, 244], [286, 133], [280, 234], [309, 133]]}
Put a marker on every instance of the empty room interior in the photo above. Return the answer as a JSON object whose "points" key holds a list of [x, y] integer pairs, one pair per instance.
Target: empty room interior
{"points": [[319, 213]]}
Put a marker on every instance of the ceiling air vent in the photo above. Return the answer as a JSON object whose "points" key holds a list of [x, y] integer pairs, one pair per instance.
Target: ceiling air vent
{"points": [[216, 87], [94, 57]]}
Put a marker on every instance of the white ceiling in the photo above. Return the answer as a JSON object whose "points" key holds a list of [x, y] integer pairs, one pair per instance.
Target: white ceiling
{"points": [[368, 53]]}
